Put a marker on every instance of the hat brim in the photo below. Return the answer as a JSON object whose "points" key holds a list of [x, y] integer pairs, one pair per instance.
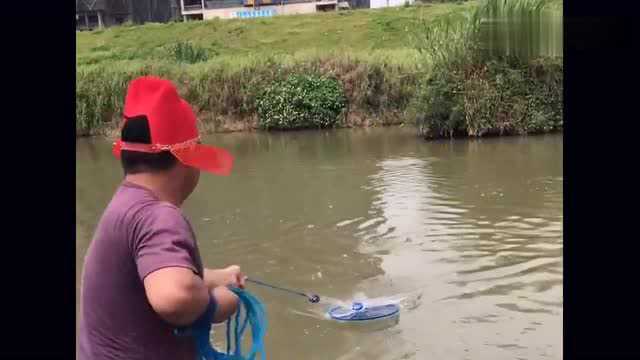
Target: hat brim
{"points": [[211, 159]]}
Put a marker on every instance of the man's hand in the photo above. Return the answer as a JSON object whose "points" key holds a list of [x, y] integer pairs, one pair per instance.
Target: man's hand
{"points": [[233, 277], [229, 276]]}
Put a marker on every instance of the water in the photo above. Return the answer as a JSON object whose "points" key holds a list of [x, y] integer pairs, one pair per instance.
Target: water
{"points": [[465, 235], [525, 34]]}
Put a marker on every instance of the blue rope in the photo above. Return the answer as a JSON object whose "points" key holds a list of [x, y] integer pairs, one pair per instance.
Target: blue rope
{"points": [[236, 333], [254, 315], [229, 335]]}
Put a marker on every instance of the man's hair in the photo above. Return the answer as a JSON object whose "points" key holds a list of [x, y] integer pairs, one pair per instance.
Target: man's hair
{"points": [[136, 130]]}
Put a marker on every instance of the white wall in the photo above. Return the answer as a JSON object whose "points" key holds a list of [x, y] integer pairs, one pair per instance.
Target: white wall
{"points": [[376, 4]]}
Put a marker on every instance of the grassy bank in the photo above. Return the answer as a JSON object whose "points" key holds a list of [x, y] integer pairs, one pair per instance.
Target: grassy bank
{"points": [[381, 59], [224, 96], [369, 51], [349, 32]]}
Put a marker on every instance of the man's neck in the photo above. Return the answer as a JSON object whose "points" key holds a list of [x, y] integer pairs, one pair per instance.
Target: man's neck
{"points": [[158, 184]]}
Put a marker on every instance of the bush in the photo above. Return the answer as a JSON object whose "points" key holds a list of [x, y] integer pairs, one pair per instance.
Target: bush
{"points": [[503, 96], [301, 101], [472, 92]]}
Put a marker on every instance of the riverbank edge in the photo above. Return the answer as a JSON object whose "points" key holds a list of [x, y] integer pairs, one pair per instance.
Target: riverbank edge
{"points": [[231, 124], [378, 95], [112, 133]]}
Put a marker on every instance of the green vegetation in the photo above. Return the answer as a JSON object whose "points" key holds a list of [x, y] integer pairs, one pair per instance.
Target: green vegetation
{"points": [[301, 101], [369, 51], [390, 65], [186, 52], [354, 32], [474, 91], [502, 96], [224, 95]]}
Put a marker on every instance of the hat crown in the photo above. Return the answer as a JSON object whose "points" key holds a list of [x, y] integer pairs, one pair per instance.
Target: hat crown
{"points": [[171, 119]]}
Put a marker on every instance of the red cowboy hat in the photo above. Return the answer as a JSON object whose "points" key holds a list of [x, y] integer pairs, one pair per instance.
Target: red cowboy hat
{"points": [[172, 124]]}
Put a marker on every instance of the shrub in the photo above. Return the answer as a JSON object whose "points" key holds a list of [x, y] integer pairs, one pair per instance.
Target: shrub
{"points": [[472, 91], [301, 101], [502, 96]]}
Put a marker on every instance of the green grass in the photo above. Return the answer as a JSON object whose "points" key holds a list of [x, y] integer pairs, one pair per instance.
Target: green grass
{"points": [[555, 4], [348, 32]]}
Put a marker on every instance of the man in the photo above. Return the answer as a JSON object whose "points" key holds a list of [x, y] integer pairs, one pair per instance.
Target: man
{"points": [[143, 276]]}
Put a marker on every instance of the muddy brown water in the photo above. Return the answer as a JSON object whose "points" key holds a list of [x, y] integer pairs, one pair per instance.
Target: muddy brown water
{"points": [[466, 234]]}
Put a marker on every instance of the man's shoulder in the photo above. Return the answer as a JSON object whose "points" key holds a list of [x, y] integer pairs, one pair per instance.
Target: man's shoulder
{"points": [[135, 203], [162, 213], [131, 214], [136, 215]]}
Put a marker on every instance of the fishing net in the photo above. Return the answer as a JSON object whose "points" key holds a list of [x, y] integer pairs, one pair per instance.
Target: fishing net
{"points": [[362, 312]]}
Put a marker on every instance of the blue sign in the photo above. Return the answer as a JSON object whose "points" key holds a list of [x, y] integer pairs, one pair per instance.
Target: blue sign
{"points": [[255, 14]]}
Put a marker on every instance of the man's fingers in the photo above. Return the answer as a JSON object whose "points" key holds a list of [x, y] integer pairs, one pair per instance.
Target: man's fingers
{"points": [[237, 277], [241, 280]]}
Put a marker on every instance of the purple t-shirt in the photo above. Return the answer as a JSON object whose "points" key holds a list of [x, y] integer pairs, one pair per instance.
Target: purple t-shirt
{"points": [[137, 235]]}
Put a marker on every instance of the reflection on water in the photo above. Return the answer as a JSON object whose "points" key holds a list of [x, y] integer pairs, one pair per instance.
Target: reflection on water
{"points": [[476, 244], [465, 235]]}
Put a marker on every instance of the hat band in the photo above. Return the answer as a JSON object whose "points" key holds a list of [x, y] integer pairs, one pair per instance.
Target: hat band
{"points": [[156, 148]]}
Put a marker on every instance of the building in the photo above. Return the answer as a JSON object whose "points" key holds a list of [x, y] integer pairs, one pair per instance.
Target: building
{"points": [[92, 14], [230, 9], [159, 11]]}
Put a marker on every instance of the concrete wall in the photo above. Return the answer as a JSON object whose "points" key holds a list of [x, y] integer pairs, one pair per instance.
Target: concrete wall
{"points": [[376, 4]]}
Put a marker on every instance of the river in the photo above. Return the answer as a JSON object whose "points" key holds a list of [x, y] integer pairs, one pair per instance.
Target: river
{"points": [[466, 234]]}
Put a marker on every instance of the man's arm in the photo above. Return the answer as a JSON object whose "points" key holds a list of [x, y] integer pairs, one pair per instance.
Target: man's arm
{"points": [[176, 294], [180, 297], [165, 265]]}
